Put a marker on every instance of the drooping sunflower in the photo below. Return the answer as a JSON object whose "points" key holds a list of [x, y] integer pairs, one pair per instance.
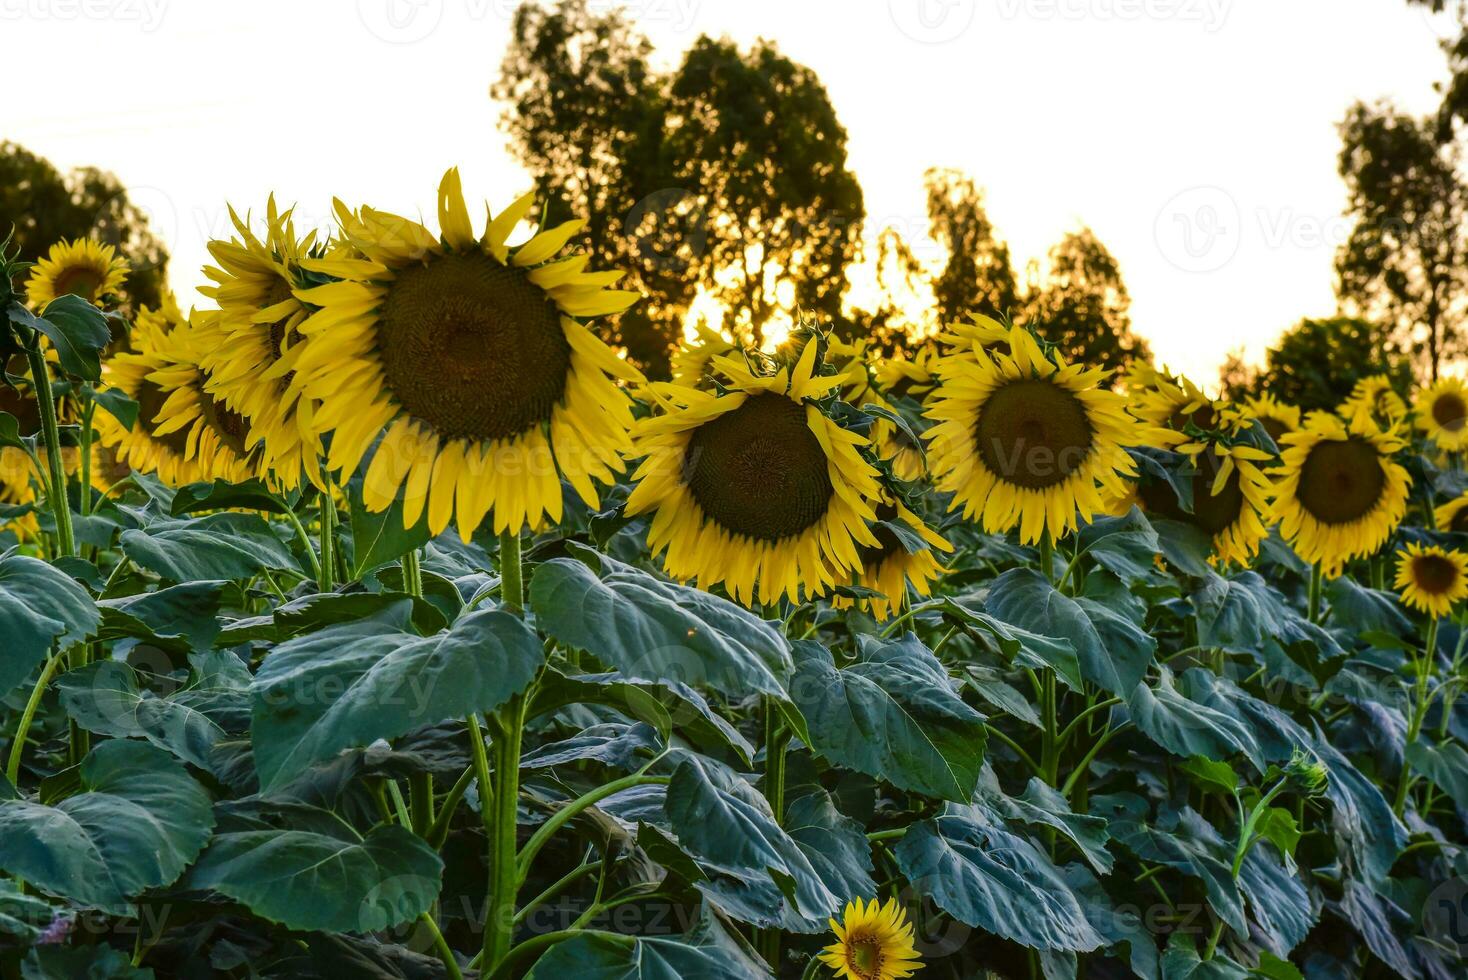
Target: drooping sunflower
{"points": [[890, 568], [1025, 439], [755, 487], [1277, 417], [468, 357], [80, 267], [214, 435], [1169, 406], [1376, 397], [873, 942], [691, 362], [1432, 579], [1442, 414], [1230, 495], [251, 369], [1453, 515], [1339, 492], [142, 447]]}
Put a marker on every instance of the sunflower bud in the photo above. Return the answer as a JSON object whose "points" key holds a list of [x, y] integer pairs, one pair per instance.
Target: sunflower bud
{"points": [[1306, 773]]}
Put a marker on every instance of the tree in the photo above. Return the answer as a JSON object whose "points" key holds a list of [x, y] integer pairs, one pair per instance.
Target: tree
{"points": [[1403, 264], [977, 276], [727, 174], [1316, 363], [44, 206], [1082, 306]]}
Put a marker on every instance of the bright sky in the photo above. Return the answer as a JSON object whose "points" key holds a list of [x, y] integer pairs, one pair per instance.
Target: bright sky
{"points": [[1197, 137]]}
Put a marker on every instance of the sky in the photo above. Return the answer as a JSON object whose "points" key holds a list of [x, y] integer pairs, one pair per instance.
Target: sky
{"points": [[1196, 137]]}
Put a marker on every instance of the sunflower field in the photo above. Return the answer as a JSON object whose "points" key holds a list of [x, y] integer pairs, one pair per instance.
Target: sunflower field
{"points": [[375, 618]]}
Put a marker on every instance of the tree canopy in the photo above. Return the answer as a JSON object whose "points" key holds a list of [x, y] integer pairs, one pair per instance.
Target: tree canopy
{"points": [[1316, 363]]}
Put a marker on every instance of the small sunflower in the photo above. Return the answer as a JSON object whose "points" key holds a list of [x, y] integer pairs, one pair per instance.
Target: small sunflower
{"points": [[143, 447], [1442, 414], [873, 942], [1025, 440], [691, 362], [1453, 515], [1230, 497], [1169, 406], [80, 267], [977, 329], [251, 369], [1375, 397], [899, 378], [1339, 493], [755, 487], [467, 357], [1432, 579], [1278, 418], [890, 567]]}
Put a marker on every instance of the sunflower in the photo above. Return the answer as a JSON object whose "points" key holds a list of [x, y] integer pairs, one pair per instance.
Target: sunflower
{"points": [[873, 942], [80, 267], [142, 447], [1453, 515], [1230, 496], [755, 487], [1025, 439], [691, 362], [1339, 493], [1167, 407], [251, 370], [1442, 414], [1277, 418], [1432, 579], [890, 567], [1376, 397], [466, 356], [977, 329], [898, 378]]}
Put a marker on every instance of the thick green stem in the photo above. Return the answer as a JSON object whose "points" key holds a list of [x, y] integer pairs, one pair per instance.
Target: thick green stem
{"points": [[504, 871], [445, 953], [512, 582], [1047, 550], [56, 488], [560, 817], [1317, 579], [776, 738], [1421, 701], [327, 566], [12, 771], [86, 480], [305, 539]]}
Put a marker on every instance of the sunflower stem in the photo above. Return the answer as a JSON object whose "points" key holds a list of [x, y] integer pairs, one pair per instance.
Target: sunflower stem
{"points": [[327, 566], [1421, 702], [56, 485], [512, 581], [1317, 578], [768, 940], [504, 872], [12, 770], [1047, 551]]}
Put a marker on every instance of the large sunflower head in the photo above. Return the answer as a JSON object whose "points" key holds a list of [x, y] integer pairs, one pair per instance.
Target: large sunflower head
{"points": [[1432, 579], [251, 370], [80, 267], [1025, 439], [1442, 414], [1230, 495], [873, 942], [142, 447], [755, 486], [1375, 397], [467, 356], [214, 437], [894, 564], [1277, 418], [1339, 493]]}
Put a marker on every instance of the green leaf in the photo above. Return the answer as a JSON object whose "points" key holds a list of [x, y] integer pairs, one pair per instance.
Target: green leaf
{"points": [[222, 495], [1360, 817], [1042, 805], [1365, 610], [1274, 968], [319, 610], [1186, 728], [39, 606], [1211, 775], [107, 698], [720, 819], [835, 844], [179, 618], [709, 952], [380, 537], [10, 432], [76, 328], [1277, 825], [115, 402], [1184, 841], [654, 630], [218, 546], [1278, 901], [1020, 645], [138, 822], [1114, 652], [1182, 962], [307, 880], [1445, 763], [988, 878], [22, 917], [1125, 546], [614, 744], [351, 684], [98, 962], [1244, 614], [892, 714]]}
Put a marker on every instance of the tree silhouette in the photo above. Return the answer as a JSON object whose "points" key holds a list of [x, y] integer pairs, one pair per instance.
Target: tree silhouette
{"points": [[1316, 363], [1403, 264], [43, 206], [1082, 306], [977, 276]]}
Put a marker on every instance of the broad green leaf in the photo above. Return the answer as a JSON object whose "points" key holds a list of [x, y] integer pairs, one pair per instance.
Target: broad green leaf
{"points": [[1020, 645], [1360, 817], [1277, 825], [179, 618], [1446, 764], [986, 877], [1363, 610], [308, 880], [654, 630], [835, 844], [1274, 968], [22, 917], [94, 962], [107, 698], [351, 684], [1244, 614], [1211, 774], [222, 495], [39, 606], [138, 822], [313, 612], [1277, 734], [1182, 962], [891, 714], [709, 952], [225, 545], [1125, 546], [722, 820], [115, 402], [1182, 840], [1042, 805], [990, 685], [1381, 923], [380, 537], [617, 745], [77, 330], [1186, 728], [1114, 652], [1278, 902]]}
